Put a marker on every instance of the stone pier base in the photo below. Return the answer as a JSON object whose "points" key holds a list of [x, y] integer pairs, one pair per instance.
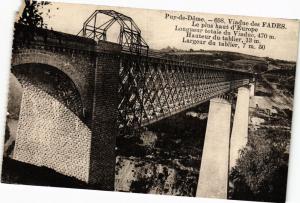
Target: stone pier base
{"points": [[252, 89], [213, 176], [239, 134]]}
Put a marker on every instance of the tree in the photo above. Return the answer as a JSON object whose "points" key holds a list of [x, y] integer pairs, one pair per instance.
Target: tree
{"points": [[32, 16]]}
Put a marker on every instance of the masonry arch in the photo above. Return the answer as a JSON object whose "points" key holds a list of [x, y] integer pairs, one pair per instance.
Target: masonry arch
{"points": [[51, 81], [49, 59], [51, 129]]}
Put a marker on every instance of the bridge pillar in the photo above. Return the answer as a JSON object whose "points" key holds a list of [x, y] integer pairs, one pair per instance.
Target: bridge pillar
{"points": [[104, 127], [239, 134], [252, 89], [213, 176]]}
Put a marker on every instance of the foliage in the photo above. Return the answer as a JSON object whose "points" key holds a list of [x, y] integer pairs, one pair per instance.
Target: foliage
{"points": [[261, 171], [32, 16]]}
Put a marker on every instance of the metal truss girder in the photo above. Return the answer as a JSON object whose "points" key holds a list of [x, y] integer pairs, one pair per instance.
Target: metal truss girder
{"points": [[153, 90]]}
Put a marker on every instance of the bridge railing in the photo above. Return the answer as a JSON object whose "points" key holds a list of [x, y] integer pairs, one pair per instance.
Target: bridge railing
{"points": [[49, 39]]}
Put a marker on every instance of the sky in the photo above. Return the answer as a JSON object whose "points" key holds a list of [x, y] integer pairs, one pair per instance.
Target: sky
{"points": [[159, 32]]}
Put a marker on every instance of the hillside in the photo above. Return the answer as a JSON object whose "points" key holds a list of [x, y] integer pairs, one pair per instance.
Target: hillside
{"points": [[233, 60]]}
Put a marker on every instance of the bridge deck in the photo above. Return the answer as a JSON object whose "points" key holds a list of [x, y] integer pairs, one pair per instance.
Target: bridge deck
{"points": [[151, 86]]}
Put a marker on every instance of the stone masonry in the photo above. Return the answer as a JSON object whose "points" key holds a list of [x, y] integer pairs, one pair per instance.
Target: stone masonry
{"points": [[70, 127], [51, 135], [105, 126], [50, 130]]}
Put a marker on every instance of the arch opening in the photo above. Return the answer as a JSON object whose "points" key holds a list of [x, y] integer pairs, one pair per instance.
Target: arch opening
{"points": [[46, 125], [53, 82]]}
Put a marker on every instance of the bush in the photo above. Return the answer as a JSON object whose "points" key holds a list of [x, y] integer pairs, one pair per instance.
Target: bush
{"points": [[261, 171]]}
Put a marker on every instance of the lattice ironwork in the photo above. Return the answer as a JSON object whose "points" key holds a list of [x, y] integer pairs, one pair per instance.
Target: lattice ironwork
{"points": [[130, 37], [152, 87], [155, 89]]}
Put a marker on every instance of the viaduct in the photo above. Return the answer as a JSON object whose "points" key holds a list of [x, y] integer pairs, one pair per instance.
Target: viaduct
{"points": [[80, 92]]}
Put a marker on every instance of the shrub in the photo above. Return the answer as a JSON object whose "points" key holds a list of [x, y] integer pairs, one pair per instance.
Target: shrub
{"points": [[261, 171]]}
